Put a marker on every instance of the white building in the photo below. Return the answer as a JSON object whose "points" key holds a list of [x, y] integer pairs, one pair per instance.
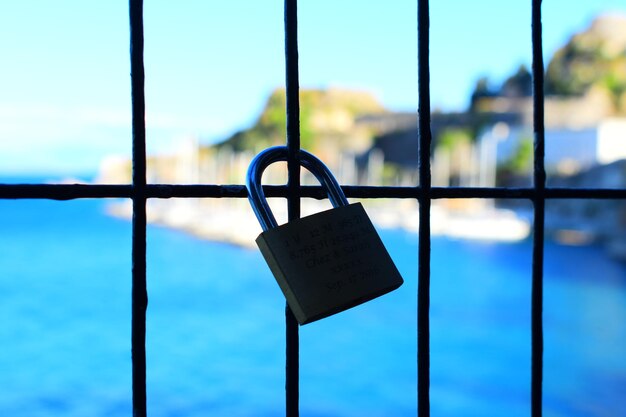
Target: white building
{"points": [[567, 150]]}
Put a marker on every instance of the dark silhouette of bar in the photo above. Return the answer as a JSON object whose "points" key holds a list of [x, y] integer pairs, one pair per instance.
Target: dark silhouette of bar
{"points": [[139, 192]]}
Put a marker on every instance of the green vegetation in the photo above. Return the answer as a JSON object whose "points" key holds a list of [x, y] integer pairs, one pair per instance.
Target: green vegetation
{"points": [[595, 58], [520, 161], [453, 137], [592, 59], [325, 116]]}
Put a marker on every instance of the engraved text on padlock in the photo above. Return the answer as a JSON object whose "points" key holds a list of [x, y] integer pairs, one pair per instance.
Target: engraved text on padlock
{"points": [[329, 262], [324, 263]]}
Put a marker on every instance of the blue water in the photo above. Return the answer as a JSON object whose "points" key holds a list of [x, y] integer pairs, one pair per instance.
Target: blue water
{"points": [[215, 332]]}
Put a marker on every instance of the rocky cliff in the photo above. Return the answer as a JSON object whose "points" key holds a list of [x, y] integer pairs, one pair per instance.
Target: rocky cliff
{"points": [[592, 59], [327, 122]]}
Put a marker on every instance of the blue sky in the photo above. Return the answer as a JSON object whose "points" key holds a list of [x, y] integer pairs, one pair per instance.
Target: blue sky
{"points": [[64, 93]]}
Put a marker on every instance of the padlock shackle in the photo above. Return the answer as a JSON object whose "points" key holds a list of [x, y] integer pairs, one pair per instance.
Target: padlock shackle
{"points": [[256, 196]]}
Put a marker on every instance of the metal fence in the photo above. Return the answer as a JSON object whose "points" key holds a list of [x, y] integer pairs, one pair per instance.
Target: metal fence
{"points": [[139, 192]]}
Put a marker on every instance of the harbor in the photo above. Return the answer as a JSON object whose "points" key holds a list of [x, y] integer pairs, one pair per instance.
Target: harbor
{"points": [[234, 222], [215, 322]]}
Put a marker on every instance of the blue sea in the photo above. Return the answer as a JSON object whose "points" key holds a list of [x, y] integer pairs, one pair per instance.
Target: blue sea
{"points": [[215, 327]]}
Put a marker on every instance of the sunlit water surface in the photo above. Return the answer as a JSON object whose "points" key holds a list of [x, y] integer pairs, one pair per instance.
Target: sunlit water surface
{"points": [[215, 327]]}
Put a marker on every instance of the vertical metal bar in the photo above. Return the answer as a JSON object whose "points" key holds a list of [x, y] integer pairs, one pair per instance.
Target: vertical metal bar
{"points": [[292, 365], [539, 214], [425, 139], [139, 291]]}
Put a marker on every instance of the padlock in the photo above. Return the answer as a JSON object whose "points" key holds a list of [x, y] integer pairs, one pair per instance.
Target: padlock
{"points": [[327, 262]]}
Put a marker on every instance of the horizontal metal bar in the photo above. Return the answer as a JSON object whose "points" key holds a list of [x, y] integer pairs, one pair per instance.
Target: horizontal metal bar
{"points": [[592, 193], [64, 191], [75, 191]]}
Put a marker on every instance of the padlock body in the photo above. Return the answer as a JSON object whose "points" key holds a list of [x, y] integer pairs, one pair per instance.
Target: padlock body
{"points": [[329, 262]]}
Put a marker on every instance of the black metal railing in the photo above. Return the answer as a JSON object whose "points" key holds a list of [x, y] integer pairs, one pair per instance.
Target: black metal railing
{"points": [[139, 191]]}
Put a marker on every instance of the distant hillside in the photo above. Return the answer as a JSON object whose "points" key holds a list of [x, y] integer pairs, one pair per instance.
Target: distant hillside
{"points": [[591, 64], [594, 58], [327, 122]]}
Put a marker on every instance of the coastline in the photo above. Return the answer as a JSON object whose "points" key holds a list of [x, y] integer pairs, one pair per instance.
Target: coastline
{"points": [[233, 222]]}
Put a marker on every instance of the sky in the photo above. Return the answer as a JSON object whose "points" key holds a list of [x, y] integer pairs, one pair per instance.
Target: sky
{"points": [[210, 66]]}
